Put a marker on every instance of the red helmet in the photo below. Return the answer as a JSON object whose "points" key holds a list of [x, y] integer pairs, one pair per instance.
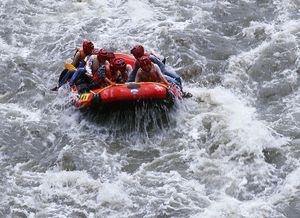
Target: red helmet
{"points": [[110, 56], [87, 46], [137, 51], [144, 62], [119, 64], [102, 55]]}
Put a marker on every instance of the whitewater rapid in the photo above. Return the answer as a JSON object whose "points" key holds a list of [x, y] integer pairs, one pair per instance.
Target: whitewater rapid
{"points": [[232, 150]]}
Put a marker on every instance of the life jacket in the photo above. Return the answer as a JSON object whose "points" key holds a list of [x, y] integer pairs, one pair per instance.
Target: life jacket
{"points": [[89, 60], [96, 77], [81, 53]]}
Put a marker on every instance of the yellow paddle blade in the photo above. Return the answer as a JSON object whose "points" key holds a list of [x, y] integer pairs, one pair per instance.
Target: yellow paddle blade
{"points": [[70, 67]]}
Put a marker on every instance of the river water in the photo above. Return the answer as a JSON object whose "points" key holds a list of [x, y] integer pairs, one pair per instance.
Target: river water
{"points": [[232, 150]]}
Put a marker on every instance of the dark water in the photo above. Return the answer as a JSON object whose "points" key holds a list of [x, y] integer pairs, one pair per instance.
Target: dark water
{"points": [[230, 151]]}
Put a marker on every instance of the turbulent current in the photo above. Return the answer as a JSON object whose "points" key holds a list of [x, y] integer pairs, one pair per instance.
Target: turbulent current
{"points": [[232, 150]]}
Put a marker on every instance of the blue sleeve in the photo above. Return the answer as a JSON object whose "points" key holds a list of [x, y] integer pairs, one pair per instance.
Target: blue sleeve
{"points": [[82, 64], [155, 60], [132, 74], [101, 72]]}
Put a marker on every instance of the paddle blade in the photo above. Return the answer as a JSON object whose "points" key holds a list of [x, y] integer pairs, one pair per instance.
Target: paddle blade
{"points": [[70, 67]]}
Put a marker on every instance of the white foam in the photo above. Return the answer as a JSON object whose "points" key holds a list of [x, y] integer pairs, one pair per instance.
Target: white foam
{"points": [[140, 10], [216, 116], [266, 28], [113, 193], [17, 113], [75, 185], [290, 188], [231, 116]]}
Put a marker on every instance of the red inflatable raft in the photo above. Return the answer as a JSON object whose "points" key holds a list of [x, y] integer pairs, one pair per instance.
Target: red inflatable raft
{"points": [[128, 58], [129, 94]]}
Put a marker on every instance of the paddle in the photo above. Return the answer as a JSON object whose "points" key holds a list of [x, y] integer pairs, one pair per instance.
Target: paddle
{"points": [[61, 76], [71, 67]]}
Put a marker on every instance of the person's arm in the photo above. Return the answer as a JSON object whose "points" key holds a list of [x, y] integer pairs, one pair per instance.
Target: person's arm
{"points": [[128, 69], [132, 75], [138, 76], [95, 65], [161, 76], [119, 77], [155, 60], [127, 72], [159, 63], [102, 73], [164, 80], [76, 60]]}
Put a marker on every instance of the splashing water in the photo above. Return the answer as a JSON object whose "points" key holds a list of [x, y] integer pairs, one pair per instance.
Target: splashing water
{"points": [[232, 150]]}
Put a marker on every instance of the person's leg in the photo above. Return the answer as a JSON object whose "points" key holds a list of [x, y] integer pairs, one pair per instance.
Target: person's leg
{"points": [[66, 77], [174, 76], [173, 81], [76, 76], [62, 75], [165, 71]]}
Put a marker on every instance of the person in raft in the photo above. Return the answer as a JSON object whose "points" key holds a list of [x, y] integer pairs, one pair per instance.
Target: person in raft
{"points": [[110, 57], [119, 70], [138, 51], [79, 60], [149, 72], [95, 69]]}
